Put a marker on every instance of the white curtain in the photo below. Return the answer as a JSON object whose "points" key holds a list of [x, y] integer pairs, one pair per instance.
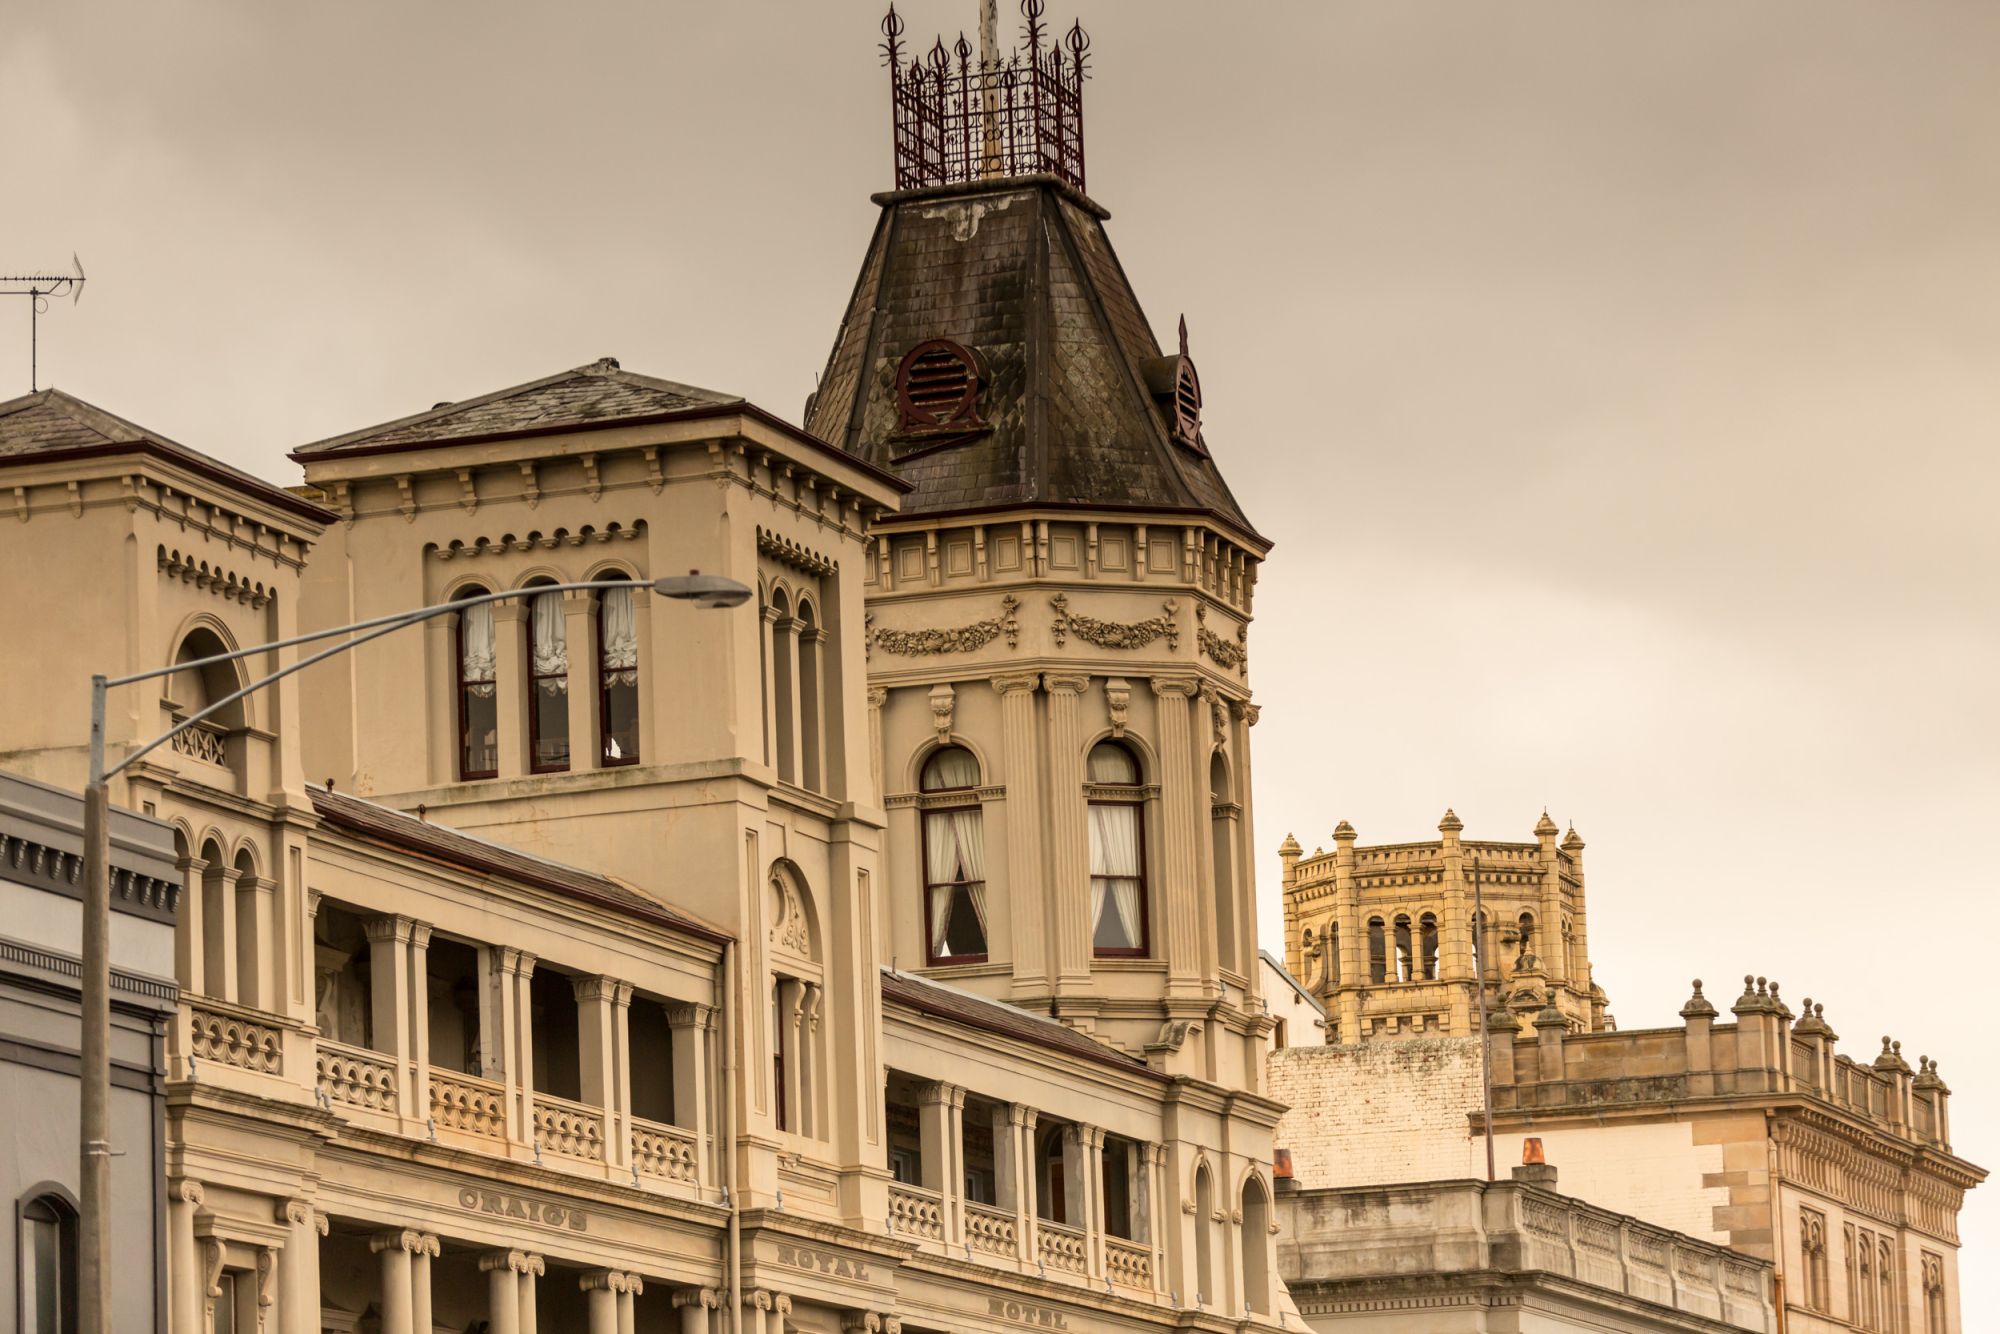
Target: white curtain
{"points": [[1112, 764], [621, 637], [950, 768], [1114, 871], [475, 635], [551, 642], [955, 857]]}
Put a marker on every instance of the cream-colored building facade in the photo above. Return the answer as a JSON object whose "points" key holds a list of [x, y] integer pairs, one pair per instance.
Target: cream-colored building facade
{"points": [[1749, 1131]]}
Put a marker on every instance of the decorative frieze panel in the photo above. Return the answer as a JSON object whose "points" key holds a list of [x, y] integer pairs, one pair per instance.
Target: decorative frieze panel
{"points": [[1229, 654], [1115, 634], [961, 639]]}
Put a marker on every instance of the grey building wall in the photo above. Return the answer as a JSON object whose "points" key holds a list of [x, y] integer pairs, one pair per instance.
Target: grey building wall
{"points": [[41, 882]]}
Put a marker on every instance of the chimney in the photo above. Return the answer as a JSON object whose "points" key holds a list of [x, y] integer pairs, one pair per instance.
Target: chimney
{"points": [[1535, 1169]]}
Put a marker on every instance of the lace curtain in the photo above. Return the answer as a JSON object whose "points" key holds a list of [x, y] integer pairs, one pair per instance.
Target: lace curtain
{"points": [[621, 638], [475, 637], [551, 642], [1114, 874], [955, 852]]}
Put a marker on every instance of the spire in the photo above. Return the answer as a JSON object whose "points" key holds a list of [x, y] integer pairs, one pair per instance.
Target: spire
{"points": [[1545, 827]]}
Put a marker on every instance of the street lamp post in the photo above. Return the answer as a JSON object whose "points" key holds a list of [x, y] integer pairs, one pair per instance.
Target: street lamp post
{"points": [[708, 591]]}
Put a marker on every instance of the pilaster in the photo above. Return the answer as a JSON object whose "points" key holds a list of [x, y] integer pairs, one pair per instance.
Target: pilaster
{"points": [[1175, 882], [1026, 891], [1068, 851]]}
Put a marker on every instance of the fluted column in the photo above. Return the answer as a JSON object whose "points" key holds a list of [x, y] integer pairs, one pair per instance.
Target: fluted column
{"points": [[389, 1001], [1175, 882], [1068, 892], [298, 1271], [1025, 895], [184, 1261], [877, 697], [694, 1304], [396, 1250]]}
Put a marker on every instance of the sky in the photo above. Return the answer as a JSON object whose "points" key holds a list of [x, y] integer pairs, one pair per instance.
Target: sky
{"points": [[1615, 378]]}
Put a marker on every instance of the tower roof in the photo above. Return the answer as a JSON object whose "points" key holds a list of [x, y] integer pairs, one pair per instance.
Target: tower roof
{"points": [[1072, 401]]}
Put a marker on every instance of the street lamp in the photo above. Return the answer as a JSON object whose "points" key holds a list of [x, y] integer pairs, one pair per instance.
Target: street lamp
{"points": [[707, 591]]}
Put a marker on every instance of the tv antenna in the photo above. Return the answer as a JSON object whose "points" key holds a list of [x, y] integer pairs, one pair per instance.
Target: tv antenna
{"points": [[38, 288]]}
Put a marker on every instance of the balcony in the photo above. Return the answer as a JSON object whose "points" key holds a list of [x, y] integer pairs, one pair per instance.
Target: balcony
{"points": [[916, 1212], [468, 1105], [569, 1129], [355, 1077], [665, 1153], [1062, 1248]]}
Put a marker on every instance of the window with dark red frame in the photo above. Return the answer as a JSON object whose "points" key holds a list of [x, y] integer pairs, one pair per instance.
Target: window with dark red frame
{"points": [[1117, 855], [954, 850], [478, 701], [618, 676], [548, 685]]}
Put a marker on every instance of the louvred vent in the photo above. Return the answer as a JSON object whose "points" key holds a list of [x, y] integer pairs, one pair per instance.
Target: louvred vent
{"points": [[937, 388], [1187, 404]]}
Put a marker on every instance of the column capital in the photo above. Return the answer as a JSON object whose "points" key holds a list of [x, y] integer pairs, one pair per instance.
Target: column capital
{"points": [[1092, 1137], [407, 1239], [1066, 683], [513, 1261], [1015, 683], [313, 896], [1184, 686], [420, 935], [297, 1212], [707, 1299], [534, 1265], [877, 696], [689, 1014], [938, 1092], [1020, 1114], [860, 1322], [610, 1280], [428, 1244], [600, 989], [781, 1303], [189, 1192], [757, 1299], [394, 927]]}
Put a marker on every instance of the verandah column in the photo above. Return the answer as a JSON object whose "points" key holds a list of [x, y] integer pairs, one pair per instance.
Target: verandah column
{"points": [[602, 1005], [298, 1268], [184, 1284], [389, 1001], [689, 1022], [396, 1248]]}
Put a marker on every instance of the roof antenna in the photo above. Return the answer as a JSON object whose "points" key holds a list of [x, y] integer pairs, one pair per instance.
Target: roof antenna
{"points": [[38, 288]]}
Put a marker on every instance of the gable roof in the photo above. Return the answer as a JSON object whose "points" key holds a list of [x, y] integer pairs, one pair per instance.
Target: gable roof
{"points": [[601, 393], [51, 426], [963, 1007], [468, 852], [1022, 273]]}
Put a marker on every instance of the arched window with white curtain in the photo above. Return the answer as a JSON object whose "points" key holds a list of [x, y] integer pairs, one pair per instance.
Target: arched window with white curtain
{"points": [[1117, 854], [548, 684], [478, 691], [617, 676], [954, 859]]}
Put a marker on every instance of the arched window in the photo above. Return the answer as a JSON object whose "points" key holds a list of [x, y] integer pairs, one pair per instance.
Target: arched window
{"points": [[548, 685], [1256, 1247], [48, 1265], [1404, 970], [812, 771], [1117, 854], [954, 861], [1378, 952], [478, 699], [1427, 947], [218, 923], [1052, 1174], [617, 676], [1204, 1244], [785, 699], [195, 688], [1526, 927]]}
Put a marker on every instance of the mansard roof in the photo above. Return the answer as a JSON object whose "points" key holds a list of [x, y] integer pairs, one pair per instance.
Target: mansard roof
{"points": [[963, 1007], [1069, 410], [468, 852], [599, 394], [51, 426]]}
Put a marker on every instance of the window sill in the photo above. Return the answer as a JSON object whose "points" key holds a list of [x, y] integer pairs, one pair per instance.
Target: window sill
{"points": [[1125, 963]]}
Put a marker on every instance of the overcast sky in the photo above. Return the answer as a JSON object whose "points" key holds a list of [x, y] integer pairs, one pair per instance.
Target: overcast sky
{"points": [[1616, 379]]}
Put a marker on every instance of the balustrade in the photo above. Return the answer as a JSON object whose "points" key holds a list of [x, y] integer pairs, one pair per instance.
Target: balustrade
{"points": [[989, 1230], [1061, 1247], [468, 1105], [203, 741], [915, 1212], [355, 1077], [230, 1038], [1128, 1262], [569, 1128], [666, 1152]]}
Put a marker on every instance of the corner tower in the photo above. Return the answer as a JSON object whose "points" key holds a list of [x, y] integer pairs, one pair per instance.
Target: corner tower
{"points": [[1058, 616]]}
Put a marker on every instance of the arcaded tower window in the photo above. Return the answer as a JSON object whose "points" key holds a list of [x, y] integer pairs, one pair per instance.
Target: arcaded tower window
{"points": [[548, 685], [478, 702], [937, 388], [954, 860], [618, 676], [1117, 854]]}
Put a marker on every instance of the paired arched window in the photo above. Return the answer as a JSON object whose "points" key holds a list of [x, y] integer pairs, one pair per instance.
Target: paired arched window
{"points": [[1404, 957], [954, 860], [478, 691], [48, 1265], [1427, 947], [1117, 853], [548, 684], [1378, 951], [618, 675]]}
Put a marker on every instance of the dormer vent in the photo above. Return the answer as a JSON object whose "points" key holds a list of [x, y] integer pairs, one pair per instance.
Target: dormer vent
{"points": [[1177, 388], [937, 388]]}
